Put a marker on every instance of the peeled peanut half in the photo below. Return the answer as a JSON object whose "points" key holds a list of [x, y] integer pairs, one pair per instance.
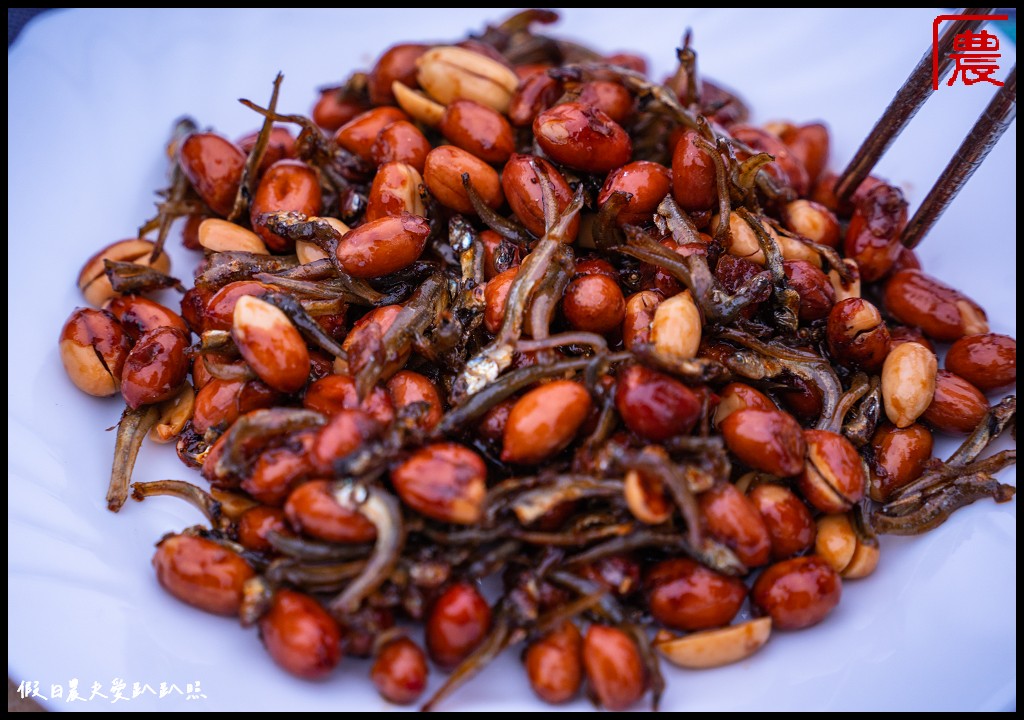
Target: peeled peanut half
{"points": [[714, 648]]}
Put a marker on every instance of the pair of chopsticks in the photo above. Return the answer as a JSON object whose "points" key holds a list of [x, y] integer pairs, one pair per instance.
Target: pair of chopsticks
{"points": [[986, 132]]}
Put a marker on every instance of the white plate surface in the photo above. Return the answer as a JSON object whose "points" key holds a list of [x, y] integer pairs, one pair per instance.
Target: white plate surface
{"points": [[91, 98]]}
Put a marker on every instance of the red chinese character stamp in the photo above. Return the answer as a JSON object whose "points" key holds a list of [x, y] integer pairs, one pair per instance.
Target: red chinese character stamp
{"points": [[975, 54]]}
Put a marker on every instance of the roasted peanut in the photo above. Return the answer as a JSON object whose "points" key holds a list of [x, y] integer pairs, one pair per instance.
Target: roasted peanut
{"points": [[833, 478], [714, 648], [957, 407], [332, 109], [582, 137], [155, 368], [93, 280], [873, 237], [676, 327], [359, 134], [495, 297], [395, 189], [900, 456], [201, 573], [943, 313], [654, 405], [443, 173], [534, 95], [786, 167], [987, 361], [797, 593], [138, 315], [479, 130], [594, 303], [766, 440], [523, 191], [810, 145], [213, 165], [846, 289], [453, 73], [739, 396], [313, 511], [419, 107], [343, 434], [908, 382], [499, 254], [399, 671], [685, 595], [381, 247], [363, 342], [270, 344], [219, 310], [545, 420], [396, 64], [444, 481], [615, 671], [287, 186], [554, 664], [839, 545], [733, 519], [744, 244], [693, 175], [300, 635], [458, 622], [611, 98], [93, 349], [280, 146], [638, 316], [407, 387], [647, 182], [857, 335], [254, 524], [279, 469], [816, 293], [645, 498], [402, 142], [789, 522]]}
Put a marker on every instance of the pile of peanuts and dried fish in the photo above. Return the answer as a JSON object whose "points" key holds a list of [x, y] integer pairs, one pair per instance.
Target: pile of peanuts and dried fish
{"points": [[508, 344]]}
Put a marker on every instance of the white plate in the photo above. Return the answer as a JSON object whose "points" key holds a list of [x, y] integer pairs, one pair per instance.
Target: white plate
{"points": [[91, 98]]}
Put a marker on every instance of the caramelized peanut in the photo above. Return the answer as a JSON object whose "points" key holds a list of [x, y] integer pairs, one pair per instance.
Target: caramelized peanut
{"points": [[739, 396], [395, 190], [857, 335], [201, 573], [213, 165], [943, 313], [523, 191], [987, 361], [733, 519], [647, 182], [693, 175], [270, 344], [300, 635], [833, 478], [381, 247], [457, 624], [545, 420], [479, 130], [789, 522], [615, 670], [399, 671], [957, 407], [685, 595], [359, 134], [155, 368], [444, 481], [594, 303], [396, 64], [554, 664], [654, 405], [582, 137], [407, 387], [908, 382], [313, 511], [287, 186], [797, 593], [900, 456], [443, 173], [766, 440], [401, 142], [93, 349]]}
